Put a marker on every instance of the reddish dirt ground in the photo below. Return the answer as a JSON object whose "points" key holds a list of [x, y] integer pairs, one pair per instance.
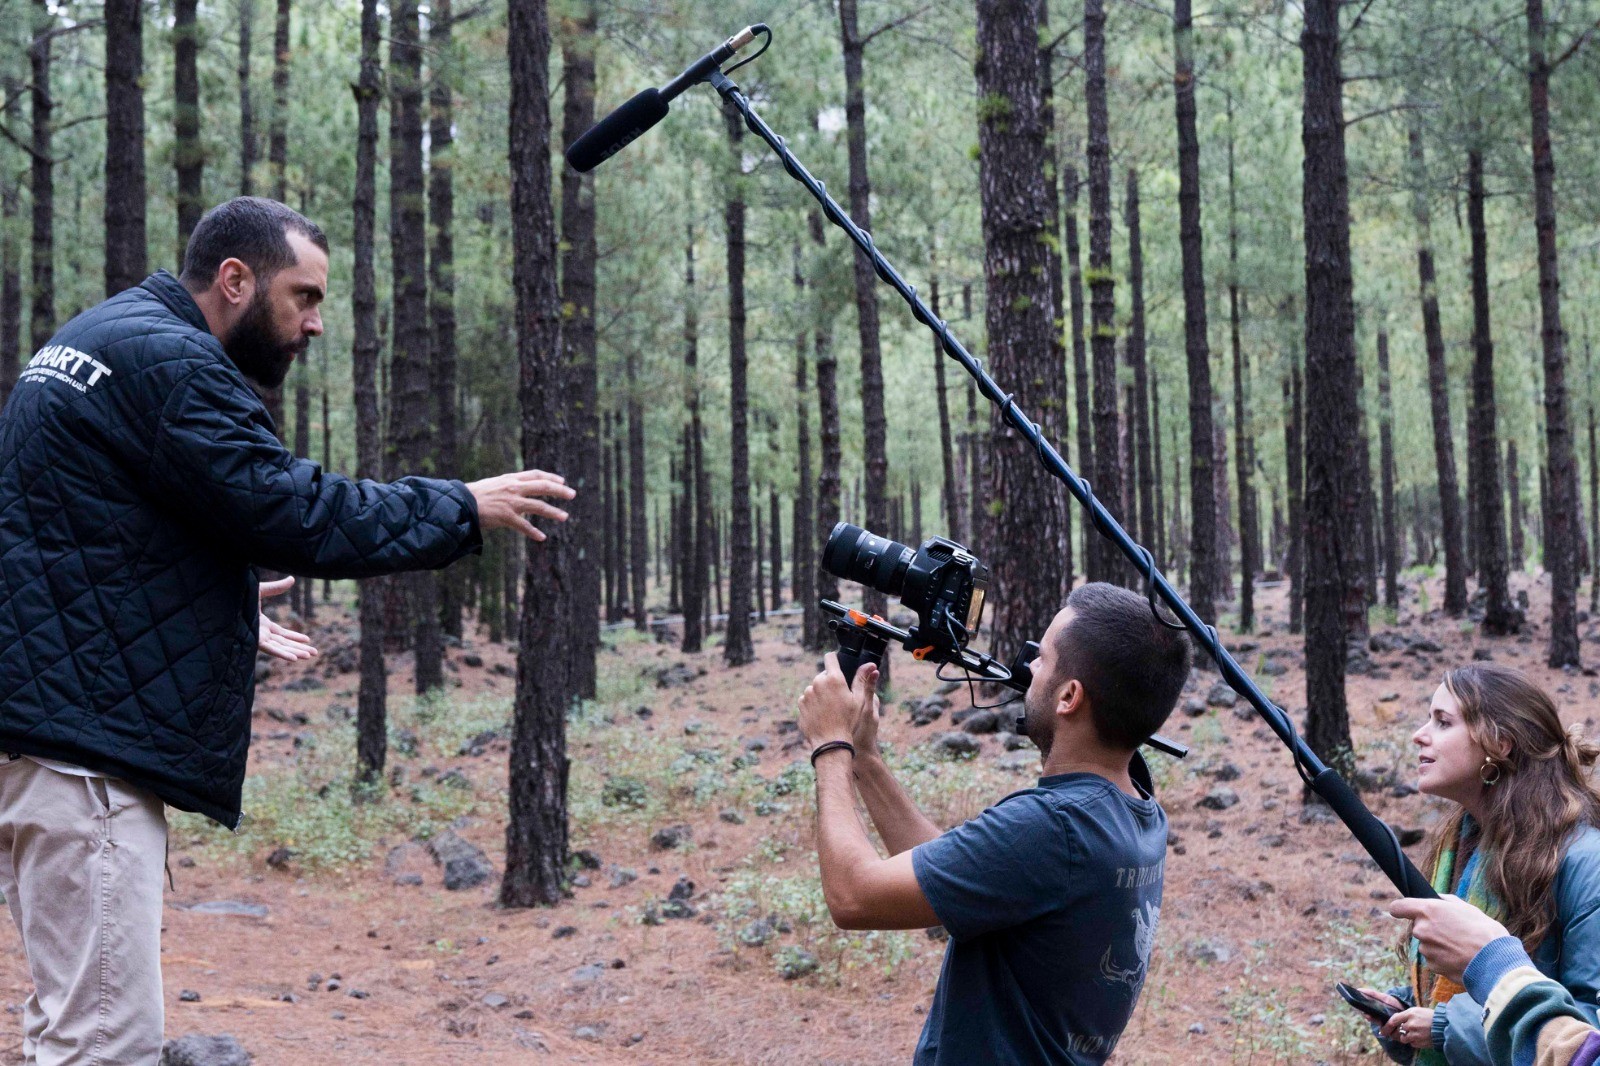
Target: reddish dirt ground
{"points": [[1263, 911]]}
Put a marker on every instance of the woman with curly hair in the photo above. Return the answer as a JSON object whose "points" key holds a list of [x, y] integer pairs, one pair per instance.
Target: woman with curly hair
{"points": [[1520, 842]]}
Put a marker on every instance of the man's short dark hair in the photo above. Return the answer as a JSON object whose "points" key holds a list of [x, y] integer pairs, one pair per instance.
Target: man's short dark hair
{"points": [[1131, 666], [251, 229]]}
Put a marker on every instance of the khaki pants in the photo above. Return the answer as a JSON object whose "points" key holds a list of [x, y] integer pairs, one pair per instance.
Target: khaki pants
{"points": [[81, 861]]}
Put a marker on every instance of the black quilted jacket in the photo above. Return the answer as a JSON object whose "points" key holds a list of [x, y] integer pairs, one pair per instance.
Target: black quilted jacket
{"points": [[140, 483]]}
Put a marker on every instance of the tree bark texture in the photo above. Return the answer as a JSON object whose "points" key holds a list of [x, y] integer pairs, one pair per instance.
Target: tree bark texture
{"points": [[1560, 544], [42, 311], [1335, 602], [126, 249], [803, 539], [1391, 546], [247, 118], [697, 500], [188, 154], [1455, 574], [950, 495], [1052, 250], [1514, 493], [278, 131], [372, 696], [1030, 525], [830, 486], [737, 648], [536, 834], [579, 252], [1501, 616], [1294, 453], [1244, 450], [1107, 475], [1080, 365], [1139, 414], [1203, 553], [874, 422], [411, 401], [442, 276], [10, 277], [639, 553]]}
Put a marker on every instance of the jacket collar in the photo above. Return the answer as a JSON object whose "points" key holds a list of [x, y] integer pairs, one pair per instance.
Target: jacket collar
{"points": [[170, 291]]}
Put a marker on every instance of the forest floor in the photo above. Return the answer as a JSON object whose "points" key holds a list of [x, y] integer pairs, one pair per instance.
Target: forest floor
{"points": [[337, 940]]}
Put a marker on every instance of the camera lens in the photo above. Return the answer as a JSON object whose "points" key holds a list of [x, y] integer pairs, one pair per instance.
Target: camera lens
{"points": [[877, 562]]}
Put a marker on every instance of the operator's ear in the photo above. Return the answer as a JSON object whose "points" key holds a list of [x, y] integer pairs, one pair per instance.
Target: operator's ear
{"points": [[1072, 699], [235, 280]]}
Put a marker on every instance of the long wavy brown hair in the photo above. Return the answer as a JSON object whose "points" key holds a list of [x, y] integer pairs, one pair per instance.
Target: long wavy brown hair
{"points": [[1543, 796]]}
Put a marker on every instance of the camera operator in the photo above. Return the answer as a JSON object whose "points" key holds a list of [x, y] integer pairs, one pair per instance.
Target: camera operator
{"points": [[1052, 896], [141, 483]]}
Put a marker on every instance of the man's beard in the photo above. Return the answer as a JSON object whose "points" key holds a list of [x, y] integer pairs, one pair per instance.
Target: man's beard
{"points": [[1040, 725], [259, 353]]}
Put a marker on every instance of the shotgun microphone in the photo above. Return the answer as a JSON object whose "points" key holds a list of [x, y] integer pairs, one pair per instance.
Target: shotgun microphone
{"points": [[627, 123]]}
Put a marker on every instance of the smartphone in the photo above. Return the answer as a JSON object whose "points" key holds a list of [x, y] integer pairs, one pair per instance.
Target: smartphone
{"points": [[1374, 1008]]}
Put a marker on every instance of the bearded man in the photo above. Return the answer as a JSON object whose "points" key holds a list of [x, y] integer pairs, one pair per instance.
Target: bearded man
{"points": [[141, 484]]}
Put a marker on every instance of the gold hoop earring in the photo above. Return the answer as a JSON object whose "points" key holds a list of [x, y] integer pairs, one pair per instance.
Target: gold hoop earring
{"points": [[1483, 771]]}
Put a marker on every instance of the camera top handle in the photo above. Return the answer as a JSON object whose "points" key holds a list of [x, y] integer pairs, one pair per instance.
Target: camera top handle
{"points": [[1371, 832], [876, 634]]}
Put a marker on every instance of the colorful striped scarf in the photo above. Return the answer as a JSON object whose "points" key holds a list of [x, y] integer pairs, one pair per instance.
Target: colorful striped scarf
{"points": [[1435, 990]]}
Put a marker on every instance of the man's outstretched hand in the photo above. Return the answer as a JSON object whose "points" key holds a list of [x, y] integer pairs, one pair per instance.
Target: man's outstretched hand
{"points": [[278, 641], [505, 502]]}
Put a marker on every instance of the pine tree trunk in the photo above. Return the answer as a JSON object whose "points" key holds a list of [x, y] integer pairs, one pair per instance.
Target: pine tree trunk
{"points": [[247, 118], [775, 541], [1028, 577], [188, 154], [126, 250], [639, 550], [1222, 494], [1159, 544], [605, 572], [1294, 452], [442, 278], [1391, 546], [1560, 545], [1107, 475], [1455, 575], [829, 475], [803, 539], [579, 252], [950, 496], [1080, 367], [758, 586], [1244, 457], [738, 648], [1518, 521], [697, 503], [1056, 421], [1139, 416], [1500, 615], [278, 133], [1335, 602], [1369, 503], [372, 697], [536, 834], [10, 272], [1594, 490], [679, 554], [874, 424], [977, 474], [620, 527], [42, 180], [1204, 570], [411, 401]]}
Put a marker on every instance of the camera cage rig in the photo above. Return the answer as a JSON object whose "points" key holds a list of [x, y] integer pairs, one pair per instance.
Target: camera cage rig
{"points": [[1376, 837]]}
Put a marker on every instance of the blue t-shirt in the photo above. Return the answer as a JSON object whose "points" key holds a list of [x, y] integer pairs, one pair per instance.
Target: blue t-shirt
{"points": [[1051, 899]]}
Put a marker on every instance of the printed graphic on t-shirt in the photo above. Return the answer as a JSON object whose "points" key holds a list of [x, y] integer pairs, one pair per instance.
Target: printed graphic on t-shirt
{"points": [[1145, 920]]}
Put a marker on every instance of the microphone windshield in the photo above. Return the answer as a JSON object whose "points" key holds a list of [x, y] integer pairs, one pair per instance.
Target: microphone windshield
{"points": [[617, 130]]}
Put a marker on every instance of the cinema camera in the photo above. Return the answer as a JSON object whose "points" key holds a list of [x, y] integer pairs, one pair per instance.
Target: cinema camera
{"points": [[945, 585]]}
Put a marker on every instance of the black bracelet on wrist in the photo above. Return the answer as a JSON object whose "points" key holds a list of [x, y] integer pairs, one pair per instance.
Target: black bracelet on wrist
{"points": [[832, 745]]}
